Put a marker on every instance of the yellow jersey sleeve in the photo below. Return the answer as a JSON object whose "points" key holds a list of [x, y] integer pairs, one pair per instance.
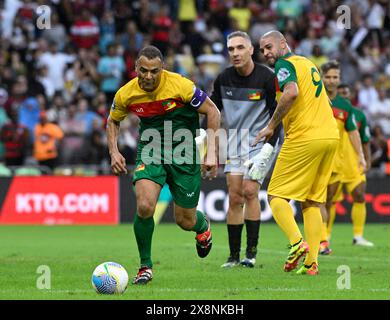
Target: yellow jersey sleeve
{"points": [[118, 110], [187, 90]]}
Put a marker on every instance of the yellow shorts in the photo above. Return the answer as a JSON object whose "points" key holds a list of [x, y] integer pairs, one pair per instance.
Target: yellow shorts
{"points": [[348, 187], [335, 177], [303, 169]]}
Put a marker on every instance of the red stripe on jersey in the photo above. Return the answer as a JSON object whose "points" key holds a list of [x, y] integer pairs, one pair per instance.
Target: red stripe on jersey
{"points": [[155, 108], [340, 114], [277, 88]]}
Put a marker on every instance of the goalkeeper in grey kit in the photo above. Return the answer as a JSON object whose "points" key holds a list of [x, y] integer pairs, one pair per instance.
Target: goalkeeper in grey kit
{"points": [[246, 94]]}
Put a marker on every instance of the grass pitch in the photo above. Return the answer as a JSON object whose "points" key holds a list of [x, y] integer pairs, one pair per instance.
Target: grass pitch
{"points": [[72, 253]]}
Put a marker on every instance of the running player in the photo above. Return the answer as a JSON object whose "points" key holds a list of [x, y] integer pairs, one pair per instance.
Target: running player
{"points": [[168, 106]]}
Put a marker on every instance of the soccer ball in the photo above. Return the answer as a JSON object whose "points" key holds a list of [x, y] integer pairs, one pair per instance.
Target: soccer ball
{"points": [[110, 278]]}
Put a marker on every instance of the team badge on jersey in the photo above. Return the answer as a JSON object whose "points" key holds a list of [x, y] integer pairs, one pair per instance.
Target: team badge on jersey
{"points": [[168, 104], [254, 95], [140, 167], [283, 74]]}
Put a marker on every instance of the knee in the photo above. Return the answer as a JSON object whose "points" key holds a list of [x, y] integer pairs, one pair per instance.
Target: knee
{"points": [[250, 193], [235, 198], [358, 197], [145, 209], [185, 223]]}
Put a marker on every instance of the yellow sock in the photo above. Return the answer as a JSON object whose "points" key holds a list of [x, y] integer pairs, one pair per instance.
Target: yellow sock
{"points": [[358, 218], [332, 217], [284, 217], [312, 223], [324, 232]]}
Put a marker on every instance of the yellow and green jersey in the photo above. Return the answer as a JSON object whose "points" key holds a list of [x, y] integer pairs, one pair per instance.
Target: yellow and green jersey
{"points": [[170, 107], [345, 118], [351, 158], [310, 116]]}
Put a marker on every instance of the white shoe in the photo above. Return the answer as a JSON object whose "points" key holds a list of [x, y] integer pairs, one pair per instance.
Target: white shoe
{"points": [[360, 241], [230, 263], [250, 263]]}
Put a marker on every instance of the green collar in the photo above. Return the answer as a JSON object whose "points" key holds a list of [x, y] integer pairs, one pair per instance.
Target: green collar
{"points": [[289, 54]]}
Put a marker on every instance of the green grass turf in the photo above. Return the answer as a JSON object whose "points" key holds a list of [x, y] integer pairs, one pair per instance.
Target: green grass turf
{"points": [[72, 252]]}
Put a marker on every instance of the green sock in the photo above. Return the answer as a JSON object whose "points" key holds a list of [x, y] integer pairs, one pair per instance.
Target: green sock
{"points": [[143, 230], [201, 224]]}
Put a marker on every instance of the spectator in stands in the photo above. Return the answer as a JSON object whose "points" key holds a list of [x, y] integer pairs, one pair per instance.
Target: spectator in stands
{"points": [[56, 34], [305, 47], [107, 30], [379, 111], [29, 114], [47, 137], [16, 140], [86, 116], [85, 30], [56, 63], [367, 93], [161, 25], [96, 145], [317, 57], [379, 147], [72, 151], [111, 68]]}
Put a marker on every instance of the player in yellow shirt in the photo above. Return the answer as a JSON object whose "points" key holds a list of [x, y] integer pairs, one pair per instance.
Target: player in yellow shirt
{"points": [[354, 180], [168, 106], [349, 136], [304, 164]]}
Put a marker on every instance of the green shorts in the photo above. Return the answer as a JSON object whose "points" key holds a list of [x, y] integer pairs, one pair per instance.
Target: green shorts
{"points": [[183, 180]]}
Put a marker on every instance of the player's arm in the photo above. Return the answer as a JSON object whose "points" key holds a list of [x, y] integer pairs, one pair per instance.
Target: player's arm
{"points": [[213, 115], [290, 93], [287, 80], [365, 136], [354, 137], [271, 104], [367, 155], [118, 162]]}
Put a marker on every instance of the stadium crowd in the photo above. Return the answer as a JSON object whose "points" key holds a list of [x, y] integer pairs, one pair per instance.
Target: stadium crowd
{"points": [[67, 74]]}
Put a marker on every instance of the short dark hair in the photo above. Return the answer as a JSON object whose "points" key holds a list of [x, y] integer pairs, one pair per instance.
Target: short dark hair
{"points": [[343, 86], [241, 34], [150, 52], [332, 64]]}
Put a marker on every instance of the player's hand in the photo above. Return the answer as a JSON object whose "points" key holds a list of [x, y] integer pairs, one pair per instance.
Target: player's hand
{"points": [[210, 167], [257, 166], [118, 164], [265, 133], [362, 164]]}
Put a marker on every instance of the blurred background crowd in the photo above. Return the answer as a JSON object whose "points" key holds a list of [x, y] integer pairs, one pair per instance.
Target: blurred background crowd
{"points": [[57, 83]]}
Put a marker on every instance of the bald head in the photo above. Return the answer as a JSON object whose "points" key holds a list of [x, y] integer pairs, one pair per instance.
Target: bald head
{"points": [[274, 34], [273, 45]]}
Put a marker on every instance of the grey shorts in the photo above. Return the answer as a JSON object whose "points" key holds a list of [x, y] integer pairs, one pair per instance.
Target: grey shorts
{"points": [[235, 165]]}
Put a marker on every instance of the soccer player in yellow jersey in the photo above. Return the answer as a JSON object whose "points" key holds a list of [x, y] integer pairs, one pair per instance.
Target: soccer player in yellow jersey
{"points": [[349, 135], [354, 180], [304, 164], [168, 106]]}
